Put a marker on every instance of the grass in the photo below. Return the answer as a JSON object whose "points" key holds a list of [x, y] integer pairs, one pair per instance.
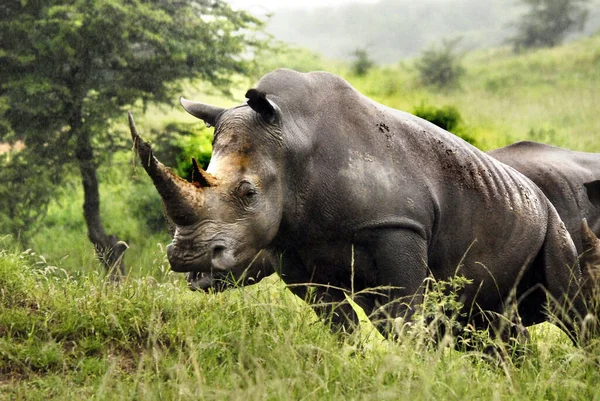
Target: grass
{"points": [[505, 97], [65, 332], [64, 336]]}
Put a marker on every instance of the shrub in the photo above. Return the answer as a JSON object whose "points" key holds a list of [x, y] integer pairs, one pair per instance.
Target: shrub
{"points": [[446, 117], [440, 66], [362, 63], [24, 193], [179, 142]]}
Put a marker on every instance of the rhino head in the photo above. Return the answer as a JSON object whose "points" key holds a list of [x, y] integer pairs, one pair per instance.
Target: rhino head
{"points": [[224, 217]]}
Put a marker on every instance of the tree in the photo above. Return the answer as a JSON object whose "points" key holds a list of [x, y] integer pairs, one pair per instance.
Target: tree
{"points": [[70, 67], [547, 22], [362, 63], [440, 66]]}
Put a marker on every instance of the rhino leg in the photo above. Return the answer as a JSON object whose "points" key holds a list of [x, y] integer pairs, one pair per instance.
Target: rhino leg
{"points": [[327, 300], [562, 279], [401, 263], [590, 265]]}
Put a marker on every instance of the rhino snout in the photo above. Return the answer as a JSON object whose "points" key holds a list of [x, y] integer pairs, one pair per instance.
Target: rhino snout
{"points": [[222, 256]]}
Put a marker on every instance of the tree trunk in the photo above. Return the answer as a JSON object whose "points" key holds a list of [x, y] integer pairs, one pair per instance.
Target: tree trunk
{"points": [[108, 247]]}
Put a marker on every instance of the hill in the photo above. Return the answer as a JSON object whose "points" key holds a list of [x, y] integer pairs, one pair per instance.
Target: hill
{"points": [[395, 29]]}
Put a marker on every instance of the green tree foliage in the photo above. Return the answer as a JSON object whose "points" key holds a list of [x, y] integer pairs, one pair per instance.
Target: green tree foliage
{"points": [[24, 193], [547, 22], [362, 63], [440, 66], [71, 67], [179, 142]]}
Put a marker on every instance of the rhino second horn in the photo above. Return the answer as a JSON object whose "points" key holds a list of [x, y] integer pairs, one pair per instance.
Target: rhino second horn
{"points": [[589, 238], [201, 178], [207, 113], [181, 199]]}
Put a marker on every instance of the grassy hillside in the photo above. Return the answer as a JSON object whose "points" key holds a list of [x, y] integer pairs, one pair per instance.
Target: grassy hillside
{"points": [[548, 95], [65, 332]]}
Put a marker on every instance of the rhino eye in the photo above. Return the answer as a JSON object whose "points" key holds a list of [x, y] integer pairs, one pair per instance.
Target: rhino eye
{"points": [[246, 190]]}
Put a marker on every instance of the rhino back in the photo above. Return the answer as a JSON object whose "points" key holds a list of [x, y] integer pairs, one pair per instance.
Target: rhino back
{"points": [[561, 174]]}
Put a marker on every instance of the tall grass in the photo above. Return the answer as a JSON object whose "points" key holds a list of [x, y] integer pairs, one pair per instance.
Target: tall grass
{"points": [[64, 336]]}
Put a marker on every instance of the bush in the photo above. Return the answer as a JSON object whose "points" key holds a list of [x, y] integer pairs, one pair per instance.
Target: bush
{"points": [[446, 117], [24, 193], [440, 66], [362, 63], [179, 142]]}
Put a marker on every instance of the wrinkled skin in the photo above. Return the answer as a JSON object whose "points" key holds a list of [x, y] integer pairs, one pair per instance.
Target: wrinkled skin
{"points": [[351, 195], [590, 263], [569, 179]]}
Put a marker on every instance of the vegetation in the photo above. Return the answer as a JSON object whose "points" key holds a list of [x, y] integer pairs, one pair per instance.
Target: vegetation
{"points": [[505, 97], [392, 30], [68, 336], [547, 22], [65, 81], [362, 63], [66, 331], [441, 66], [446, 117]]}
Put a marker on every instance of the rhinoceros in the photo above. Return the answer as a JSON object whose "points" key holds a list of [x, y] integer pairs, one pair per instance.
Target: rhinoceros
{"points": [[350, 195], [569, 179], [590, 261]]}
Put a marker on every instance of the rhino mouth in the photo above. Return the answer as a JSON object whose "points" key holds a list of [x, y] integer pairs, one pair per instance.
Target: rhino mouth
{"points": [[204, 282]]}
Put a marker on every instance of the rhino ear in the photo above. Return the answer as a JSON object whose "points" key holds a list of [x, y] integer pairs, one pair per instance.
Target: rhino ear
{"points": [[207, 113], [260, 104], [593, 191]]}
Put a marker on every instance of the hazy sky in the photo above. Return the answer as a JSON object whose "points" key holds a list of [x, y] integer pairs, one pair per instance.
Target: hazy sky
{"points": [[270, 5]]}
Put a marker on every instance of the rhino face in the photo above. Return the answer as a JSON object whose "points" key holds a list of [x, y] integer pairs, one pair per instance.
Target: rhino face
{"points": [[227, 214]]}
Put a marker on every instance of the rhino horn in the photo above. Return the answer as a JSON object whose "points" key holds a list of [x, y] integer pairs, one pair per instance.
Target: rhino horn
{"points": [[201, 178], [207, 113], [181, 199], [589, 238]]}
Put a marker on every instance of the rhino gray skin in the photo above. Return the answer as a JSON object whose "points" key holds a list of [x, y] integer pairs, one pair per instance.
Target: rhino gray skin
{"points": [[569, 179], [342, 188], [590, 262]]}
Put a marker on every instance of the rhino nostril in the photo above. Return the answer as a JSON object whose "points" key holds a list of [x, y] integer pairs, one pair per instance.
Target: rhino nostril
{"points": [[218, 250]]}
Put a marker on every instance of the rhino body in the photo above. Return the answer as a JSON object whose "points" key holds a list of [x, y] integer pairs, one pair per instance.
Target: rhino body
{"points": [[569, 179], [350, 195]]}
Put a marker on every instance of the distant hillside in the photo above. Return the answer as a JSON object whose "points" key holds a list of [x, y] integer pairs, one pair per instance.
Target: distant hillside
{"points": [[395, 29]]}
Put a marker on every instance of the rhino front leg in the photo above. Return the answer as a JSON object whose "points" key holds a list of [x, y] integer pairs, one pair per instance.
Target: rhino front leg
{"points": [[327, 300], [563, 281], [400, 257]]}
